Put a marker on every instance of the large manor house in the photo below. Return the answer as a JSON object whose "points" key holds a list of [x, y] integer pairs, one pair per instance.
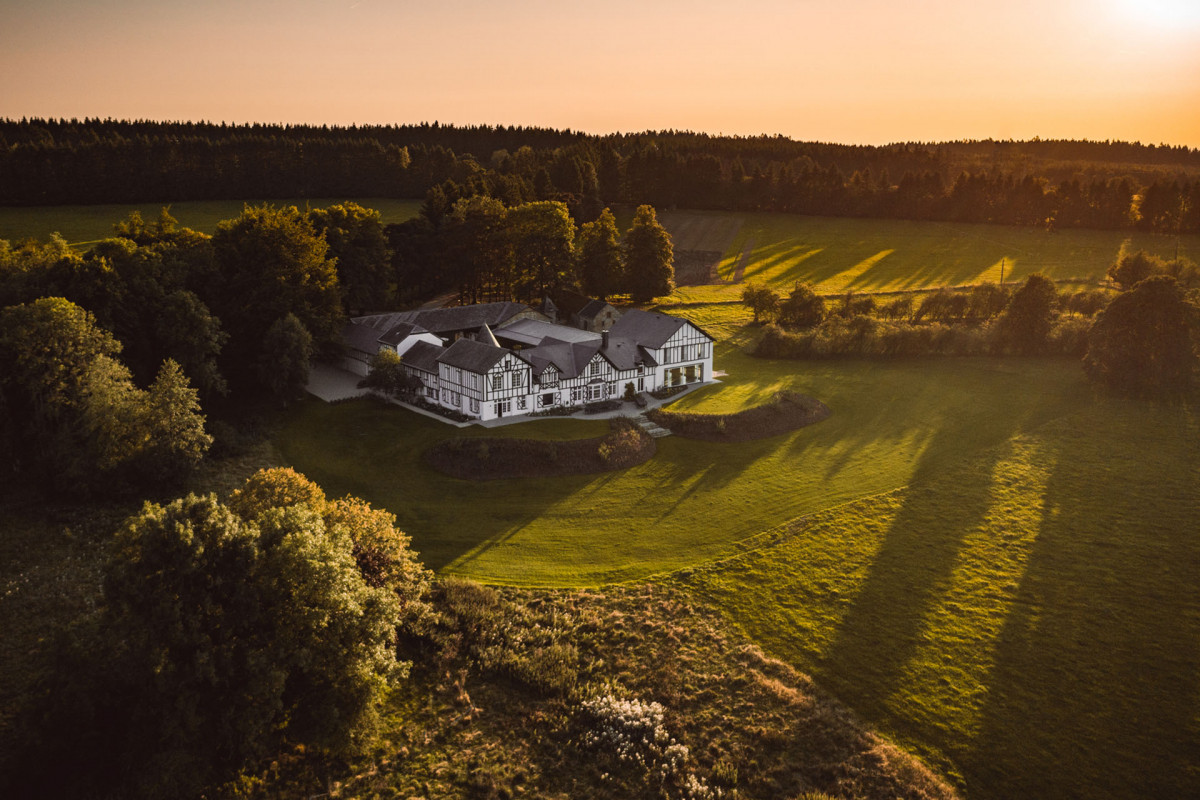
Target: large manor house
{"points": [[500, 359]]}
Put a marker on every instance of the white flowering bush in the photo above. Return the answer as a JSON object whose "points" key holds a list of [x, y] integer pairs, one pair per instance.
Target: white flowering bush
{"points": [[634, 731]]}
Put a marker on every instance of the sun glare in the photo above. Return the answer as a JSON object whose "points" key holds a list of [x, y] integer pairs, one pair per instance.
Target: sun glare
{"points": [[1164, 15]]}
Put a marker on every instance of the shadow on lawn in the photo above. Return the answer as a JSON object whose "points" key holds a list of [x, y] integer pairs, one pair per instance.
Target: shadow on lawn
{"points": [[1095, 684], [882, 630]]}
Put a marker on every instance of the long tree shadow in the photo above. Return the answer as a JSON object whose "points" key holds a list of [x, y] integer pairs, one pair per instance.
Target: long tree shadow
{"points": [[882, 629], [1095, 685]]}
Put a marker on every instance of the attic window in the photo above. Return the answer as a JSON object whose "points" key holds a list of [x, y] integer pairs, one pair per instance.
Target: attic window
{"points": [[595, 367]]}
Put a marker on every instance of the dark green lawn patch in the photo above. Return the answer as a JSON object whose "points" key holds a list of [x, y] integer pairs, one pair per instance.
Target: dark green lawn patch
{"points": [[787, 411], [486, 459]]}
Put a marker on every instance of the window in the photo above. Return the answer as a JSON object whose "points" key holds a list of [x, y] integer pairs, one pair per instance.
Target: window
{"points": [[549, 377], [503, 407], [595, 367], [474, 406], [521, 403], [577, 393], [498, 381], [431, 392], [547, 399], [598, 391], [518, 379], [641, 384]]}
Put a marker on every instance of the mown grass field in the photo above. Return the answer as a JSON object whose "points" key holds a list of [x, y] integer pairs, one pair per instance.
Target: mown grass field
{"points": [[693, 501], [876, 255], [1027, 619], [84, 224]]}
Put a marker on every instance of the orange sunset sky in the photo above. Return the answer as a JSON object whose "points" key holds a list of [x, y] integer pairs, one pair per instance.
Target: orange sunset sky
{"points": [[855, 71]]}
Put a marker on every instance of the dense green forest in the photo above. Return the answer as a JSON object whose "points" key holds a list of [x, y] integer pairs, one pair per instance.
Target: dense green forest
{"points": [[1107, 185]]}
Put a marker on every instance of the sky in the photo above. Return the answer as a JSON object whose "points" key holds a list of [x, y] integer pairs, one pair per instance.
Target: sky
{"points": [[849, 71]]}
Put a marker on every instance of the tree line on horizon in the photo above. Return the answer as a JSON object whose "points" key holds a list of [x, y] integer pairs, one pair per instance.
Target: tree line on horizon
{"points": [[1055, 184]]}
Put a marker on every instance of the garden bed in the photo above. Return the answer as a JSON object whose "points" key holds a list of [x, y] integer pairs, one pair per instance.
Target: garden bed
{"points": [[493, 458], [786, 412]]}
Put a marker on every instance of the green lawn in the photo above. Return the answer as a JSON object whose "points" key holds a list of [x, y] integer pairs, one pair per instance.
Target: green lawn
{"points": [[693, 501], [1027, 619], [874, 255], [83, 224]]}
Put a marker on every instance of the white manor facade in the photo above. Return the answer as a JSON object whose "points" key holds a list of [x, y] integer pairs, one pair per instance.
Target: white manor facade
{"points": [[527, 364]]}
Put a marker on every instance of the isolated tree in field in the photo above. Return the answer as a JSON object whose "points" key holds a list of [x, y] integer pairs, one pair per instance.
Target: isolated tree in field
{"points": [[1141, 343], [271, 263], [803, 308], [1026, 322], [600, 262], [286, 353], [762, 300], [360, 249], [649, 258], [543, 238]]}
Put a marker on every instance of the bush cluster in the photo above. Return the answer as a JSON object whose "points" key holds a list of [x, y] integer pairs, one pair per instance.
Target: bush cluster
{"points": [[987, 319]]}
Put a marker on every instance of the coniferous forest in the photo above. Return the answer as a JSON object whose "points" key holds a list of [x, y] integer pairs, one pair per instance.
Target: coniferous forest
{"points": [[1055, 184]]}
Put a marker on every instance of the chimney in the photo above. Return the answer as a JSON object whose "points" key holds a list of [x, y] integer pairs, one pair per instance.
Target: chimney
{"points": [[603, 340]]}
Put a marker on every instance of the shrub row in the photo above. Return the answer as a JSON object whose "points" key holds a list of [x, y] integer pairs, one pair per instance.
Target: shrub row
{"points": [[866, 337]]}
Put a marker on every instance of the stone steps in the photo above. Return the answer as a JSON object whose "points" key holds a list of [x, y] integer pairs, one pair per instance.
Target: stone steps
{"points": [[649, 426]]}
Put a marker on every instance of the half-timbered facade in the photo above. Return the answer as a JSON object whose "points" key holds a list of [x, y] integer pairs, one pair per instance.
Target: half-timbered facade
{"points": [[529, 365]]}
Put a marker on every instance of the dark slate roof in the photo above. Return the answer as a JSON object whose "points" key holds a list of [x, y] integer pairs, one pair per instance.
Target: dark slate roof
{"points": [[623, 353], [399, 332], [647, 328], [593, 309], [363, 338], [472, 356], [423, 356], [463, 318], [571, 358], [385, 322]]}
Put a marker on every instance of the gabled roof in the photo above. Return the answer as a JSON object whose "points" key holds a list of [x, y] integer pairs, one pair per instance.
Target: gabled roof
{"points": [[593, 309], [648, 328], [399, 332], [571, 358], [423, 356], [622, 353], [472, 356]]}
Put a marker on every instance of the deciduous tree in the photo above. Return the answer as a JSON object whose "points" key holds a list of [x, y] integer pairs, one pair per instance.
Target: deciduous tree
{"points": [[1141, 343], [358, 245], [1026, 321]]}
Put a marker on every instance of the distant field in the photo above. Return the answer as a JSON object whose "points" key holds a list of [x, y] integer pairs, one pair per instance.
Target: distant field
{"points": [[81, 224], [871, 255]]}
